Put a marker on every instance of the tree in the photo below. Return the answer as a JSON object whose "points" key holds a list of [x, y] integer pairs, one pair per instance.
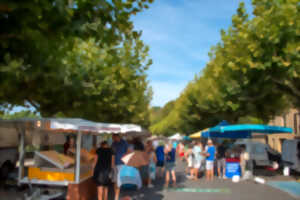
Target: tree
{"points": [[81, 58], [253, 73], [19, 115], [158, 119]]}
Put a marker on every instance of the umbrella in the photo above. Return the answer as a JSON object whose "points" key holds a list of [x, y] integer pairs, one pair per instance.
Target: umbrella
{"points": [[135, 159], [242, 130], [198, 134], [176, 136], [187, 138]]}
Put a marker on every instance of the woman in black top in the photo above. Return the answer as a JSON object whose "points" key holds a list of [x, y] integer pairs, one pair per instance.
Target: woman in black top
{"points": [[104, 164]]}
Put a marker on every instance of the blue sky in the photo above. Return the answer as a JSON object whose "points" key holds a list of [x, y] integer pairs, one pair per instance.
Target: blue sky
{"points": [[180, 34]]}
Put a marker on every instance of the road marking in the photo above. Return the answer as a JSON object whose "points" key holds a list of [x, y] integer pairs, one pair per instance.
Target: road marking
{"points": [[204, 190]]}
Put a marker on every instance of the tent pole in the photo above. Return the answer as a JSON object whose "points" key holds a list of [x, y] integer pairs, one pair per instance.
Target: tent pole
{"points": [[77, 166], [21, 155]]}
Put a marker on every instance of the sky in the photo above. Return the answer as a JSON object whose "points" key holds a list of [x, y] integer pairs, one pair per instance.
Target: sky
{"points": [[180, 34]]}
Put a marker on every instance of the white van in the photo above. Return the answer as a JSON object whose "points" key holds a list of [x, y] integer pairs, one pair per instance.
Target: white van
{"points": [[261, 154], [291, 154]]}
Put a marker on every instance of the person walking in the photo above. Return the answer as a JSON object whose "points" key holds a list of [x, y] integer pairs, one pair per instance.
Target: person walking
{"points": [[160, 163], [103, 165], [180, 147], [152, 161], [243, 159], [144, 170], [198, 158], [210, 158], [120, 148], [190, 161], [170, 153], [221, 162]]}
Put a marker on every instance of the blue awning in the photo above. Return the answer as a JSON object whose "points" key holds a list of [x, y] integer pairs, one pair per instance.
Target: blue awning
{"points": [[254, 128], [224, 130], [230, 135]]}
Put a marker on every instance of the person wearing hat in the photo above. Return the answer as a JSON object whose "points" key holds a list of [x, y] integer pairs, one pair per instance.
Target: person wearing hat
{"points": [[210, 158]]}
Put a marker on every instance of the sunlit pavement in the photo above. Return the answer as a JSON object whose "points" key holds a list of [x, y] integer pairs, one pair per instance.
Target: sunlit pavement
{"points": [[218, 189]]}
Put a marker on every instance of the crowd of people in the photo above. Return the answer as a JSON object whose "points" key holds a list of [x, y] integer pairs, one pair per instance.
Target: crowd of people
{"points": [[204, 158], [199, 157], [160, 161], [160, 157]]}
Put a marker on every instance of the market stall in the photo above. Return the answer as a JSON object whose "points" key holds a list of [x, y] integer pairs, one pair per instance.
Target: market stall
{"points": [[245, 131], [176, 136], [53, 168]]}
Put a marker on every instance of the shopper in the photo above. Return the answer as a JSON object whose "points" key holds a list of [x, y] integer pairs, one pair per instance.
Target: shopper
{"points": [[152, 162], [210, 158], [160, 163], [103, 167], [190, 161], [243, 159], [120, 148], [180, 147], [221, 162], [170, 154], [198, 158]]}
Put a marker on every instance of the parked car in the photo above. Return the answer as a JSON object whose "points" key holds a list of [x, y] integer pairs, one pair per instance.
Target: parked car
{"points": [[291, 154], [259, 153]]}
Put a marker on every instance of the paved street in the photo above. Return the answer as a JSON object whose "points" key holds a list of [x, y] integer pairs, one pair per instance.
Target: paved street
{"points": [[195, 190], [216, 190]]}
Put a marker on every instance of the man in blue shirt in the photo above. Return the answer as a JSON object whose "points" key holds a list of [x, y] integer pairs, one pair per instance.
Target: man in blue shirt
{"points": [[160, 155], [170, 153], [120, 148], [210, 158]]}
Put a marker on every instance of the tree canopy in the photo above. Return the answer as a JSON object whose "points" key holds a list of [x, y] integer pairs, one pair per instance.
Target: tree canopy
{"points": [[253, 73], [80, 58], [19, 115]]}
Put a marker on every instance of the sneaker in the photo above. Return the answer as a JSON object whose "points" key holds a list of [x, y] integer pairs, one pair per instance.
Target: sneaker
{"points": [[150, 186]]}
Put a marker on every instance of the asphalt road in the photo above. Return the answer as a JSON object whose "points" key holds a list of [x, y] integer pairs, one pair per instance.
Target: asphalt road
{"points": [[218, 189]]}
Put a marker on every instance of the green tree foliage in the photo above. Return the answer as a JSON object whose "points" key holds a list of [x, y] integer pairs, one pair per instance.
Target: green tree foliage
{"points": [[78, 58], [158, 113], [19, 115], [159, 124], [253, 73]]}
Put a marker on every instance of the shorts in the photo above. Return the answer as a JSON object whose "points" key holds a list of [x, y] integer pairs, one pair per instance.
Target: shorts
{"points": [[170, 166], [209, 165], [160, 163], [116, 173], [181, 154], [190, 162], [144, 172], [197, 164], [221, 163]]}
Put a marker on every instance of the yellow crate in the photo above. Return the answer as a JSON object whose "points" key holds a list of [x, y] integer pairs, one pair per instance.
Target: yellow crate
{"points": [[33, 173], [36, 173]]}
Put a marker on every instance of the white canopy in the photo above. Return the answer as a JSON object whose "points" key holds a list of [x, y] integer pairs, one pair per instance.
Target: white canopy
{"points": [[71, 125], [85, 125], [176, 136]]}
